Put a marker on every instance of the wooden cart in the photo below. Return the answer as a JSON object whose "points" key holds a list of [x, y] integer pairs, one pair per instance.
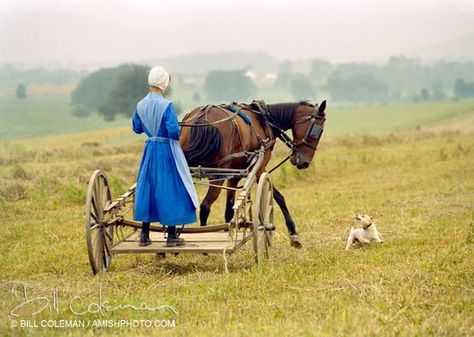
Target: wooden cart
{"points": [[110, 228]]}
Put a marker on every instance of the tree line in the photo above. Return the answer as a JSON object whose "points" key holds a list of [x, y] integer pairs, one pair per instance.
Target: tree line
{"points": [[113, 92]]}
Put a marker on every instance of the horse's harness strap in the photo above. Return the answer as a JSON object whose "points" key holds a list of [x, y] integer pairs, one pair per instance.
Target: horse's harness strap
{"points": [[203, 112], [244, 154], [314, 131], [238, 109], [234, 107], [271, 125]]}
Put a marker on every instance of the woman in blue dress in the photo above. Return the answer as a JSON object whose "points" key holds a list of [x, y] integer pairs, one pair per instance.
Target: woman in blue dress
{"points": [[165, 191]]}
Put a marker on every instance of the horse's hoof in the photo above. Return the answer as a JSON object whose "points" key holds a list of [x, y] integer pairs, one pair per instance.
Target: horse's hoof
{"points": [[295, 241], [160, 256]]}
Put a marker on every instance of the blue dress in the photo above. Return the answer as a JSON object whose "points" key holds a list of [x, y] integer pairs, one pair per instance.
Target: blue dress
{"points": [[165, 192]]}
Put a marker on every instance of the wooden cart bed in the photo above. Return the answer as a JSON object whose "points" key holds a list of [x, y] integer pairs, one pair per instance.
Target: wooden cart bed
{"points": [[216, 242]]}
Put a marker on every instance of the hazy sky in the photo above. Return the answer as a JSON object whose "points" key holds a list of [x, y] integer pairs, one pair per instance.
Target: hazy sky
{"points": [[86, 32]]}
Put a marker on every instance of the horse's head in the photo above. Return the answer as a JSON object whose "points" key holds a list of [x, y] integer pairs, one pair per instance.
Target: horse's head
{"points": [[307, 127]]}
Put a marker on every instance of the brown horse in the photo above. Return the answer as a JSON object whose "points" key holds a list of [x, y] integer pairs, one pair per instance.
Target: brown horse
{"points": [[227, 136]]}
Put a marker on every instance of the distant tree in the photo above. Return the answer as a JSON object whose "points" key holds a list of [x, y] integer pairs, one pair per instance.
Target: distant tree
{"points": [[80, 111], [459, 88], [320, 71], [21, 91], [196, 96], [92, 90], [463, 89], [228, 86], [284, 80], [131, 86], [286, 67], [425, 94], [302, 89], [359, 88], [438, 91]]}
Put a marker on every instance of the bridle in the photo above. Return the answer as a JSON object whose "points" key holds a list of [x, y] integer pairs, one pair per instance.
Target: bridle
{"points": [[314, 130]]}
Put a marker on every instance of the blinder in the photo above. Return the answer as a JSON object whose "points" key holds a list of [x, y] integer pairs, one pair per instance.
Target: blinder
{"points": [[314, 131]]}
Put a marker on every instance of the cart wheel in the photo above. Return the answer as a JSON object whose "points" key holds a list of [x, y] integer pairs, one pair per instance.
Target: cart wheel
{"points": [[99, 238], [263, 226]]}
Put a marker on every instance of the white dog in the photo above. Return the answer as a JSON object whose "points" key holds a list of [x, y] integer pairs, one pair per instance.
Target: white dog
{"points": [[366, 234]]}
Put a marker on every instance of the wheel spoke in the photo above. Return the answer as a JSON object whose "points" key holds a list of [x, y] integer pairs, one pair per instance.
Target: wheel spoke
{"points": [[100, 189], [99, 251], [260, 236], [94, 226], [95, 239], [106, 261], [108, 197], [96, 219], [107, 234], [95, 207], [105, 190], [106, 246], [268, 235], [98, 200], [96, 192], [102, 192], [268, 215]]}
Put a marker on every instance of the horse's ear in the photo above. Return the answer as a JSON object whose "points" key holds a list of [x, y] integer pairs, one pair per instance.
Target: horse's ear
{"points": [[322, 107]]}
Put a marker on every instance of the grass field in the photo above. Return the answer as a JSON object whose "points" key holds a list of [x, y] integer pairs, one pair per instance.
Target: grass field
{"points": [[418, 185], [41, 115], [45, 115]]}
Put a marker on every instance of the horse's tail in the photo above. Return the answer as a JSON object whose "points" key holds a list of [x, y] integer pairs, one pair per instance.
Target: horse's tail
{"points": [[204, 143]]}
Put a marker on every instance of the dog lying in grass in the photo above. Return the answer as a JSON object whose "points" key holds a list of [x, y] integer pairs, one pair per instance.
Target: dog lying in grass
{"points": [[366, 234]]}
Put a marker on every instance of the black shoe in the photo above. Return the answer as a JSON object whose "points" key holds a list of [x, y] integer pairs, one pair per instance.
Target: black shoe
{"points": [[173, 241], [144, 239]]}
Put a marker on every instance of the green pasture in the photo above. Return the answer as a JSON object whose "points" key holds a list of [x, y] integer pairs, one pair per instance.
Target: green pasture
{"points": [[395, 117], [410, 166], [418, 186], [45, 115], [51, 115]]}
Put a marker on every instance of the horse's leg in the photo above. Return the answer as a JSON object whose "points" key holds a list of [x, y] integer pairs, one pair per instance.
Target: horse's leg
{"points": [[209, 199], [295, 240], [229, 211]]}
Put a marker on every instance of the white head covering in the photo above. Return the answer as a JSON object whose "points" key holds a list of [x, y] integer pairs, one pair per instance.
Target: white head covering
{"points": [[159, 77]]}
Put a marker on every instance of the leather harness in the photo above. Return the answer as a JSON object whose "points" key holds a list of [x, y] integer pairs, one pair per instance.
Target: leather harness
{"points": [[235, 109]]}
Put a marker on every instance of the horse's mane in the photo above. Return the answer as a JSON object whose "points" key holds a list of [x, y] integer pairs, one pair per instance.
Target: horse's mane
{"points": [[282, 113]]}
